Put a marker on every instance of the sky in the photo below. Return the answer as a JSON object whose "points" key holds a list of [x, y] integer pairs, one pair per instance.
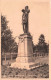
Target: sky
{"points": [[38, 17]]}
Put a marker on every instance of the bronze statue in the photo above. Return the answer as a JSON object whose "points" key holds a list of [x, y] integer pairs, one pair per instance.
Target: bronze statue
{"points": [[25, 19]]}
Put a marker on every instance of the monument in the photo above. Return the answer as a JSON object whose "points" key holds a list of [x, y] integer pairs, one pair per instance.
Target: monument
{"points": [[25, 46]]}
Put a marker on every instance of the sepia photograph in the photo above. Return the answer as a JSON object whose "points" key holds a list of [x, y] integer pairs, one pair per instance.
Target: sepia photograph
{"points": [[25, 39]]}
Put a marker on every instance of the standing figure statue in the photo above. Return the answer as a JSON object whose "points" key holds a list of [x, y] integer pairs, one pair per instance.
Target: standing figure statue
{"points": [[25, 19]]}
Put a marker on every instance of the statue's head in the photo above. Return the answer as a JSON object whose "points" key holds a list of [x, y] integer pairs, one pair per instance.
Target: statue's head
{"points": [[26, 7]]}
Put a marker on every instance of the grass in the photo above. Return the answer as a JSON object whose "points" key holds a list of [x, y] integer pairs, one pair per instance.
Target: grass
{"points": [[39, 72]]}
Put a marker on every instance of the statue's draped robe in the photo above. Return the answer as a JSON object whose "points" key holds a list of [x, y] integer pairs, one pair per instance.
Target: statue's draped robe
{"points": [[25, 22], [25, 19]]}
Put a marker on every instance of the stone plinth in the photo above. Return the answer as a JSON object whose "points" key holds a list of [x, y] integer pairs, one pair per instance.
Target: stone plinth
{"points": [[25, 52]]}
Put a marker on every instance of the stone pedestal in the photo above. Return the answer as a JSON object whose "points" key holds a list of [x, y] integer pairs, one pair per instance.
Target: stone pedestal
{"points": [[25, 52]]}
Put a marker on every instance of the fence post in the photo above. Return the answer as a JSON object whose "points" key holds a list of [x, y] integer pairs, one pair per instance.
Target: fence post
{"points": [[11, 56], [5, 56]]}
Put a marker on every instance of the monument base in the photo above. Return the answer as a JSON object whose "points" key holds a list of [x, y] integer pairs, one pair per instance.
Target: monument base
{"points": [[22, 65]]}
